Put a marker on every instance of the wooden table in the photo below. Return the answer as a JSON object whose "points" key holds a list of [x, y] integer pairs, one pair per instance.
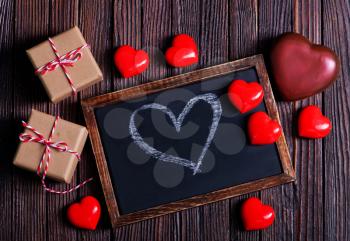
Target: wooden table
{"points": [[316, 207]]}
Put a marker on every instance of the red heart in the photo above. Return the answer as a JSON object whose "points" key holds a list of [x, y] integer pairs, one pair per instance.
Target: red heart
{"points": [[129, 61], [312, 124], [300, 68], [262, 130], [245, 96], [183, 51], [85, 214], [256, 215]]}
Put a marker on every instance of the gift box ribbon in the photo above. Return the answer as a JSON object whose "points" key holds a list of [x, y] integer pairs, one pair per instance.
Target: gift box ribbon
{"points": [[46, 158], [63, 61]]}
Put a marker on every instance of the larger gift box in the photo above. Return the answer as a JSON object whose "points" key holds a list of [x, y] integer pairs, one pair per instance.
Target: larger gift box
{"points": [[62, 164], [76, 64]]}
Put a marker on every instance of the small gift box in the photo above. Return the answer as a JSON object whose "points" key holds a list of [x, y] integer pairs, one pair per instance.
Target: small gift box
{"points": [[65, 64], [48, 139]]}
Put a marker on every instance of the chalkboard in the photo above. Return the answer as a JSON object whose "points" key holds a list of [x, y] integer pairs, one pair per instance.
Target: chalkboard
{"points": [[163, 145]]}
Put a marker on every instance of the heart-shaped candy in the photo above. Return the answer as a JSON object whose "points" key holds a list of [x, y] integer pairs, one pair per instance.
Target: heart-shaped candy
{"points": [[255, 215], [262, 130], [85, 214], [300, 68], [245, 96], [129, 61], [312, 124], [183, 51]]}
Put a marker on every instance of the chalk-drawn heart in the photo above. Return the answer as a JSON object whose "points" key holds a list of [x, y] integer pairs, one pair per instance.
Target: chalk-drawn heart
{"points": [[211, 99]]}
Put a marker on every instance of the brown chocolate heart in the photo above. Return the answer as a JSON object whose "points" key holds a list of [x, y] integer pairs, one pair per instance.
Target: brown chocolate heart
{"points": [[300, 68]]}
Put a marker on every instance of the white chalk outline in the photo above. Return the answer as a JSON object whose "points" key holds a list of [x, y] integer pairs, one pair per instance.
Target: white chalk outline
{"points": [[215, 104]]}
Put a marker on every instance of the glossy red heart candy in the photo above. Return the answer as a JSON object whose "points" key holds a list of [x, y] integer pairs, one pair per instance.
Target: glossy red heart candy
{"points": [[312, 124], [256, 215], [245, 96], [262, 130], [300, 68], [85, 214], [183, 52], [129, 61]]}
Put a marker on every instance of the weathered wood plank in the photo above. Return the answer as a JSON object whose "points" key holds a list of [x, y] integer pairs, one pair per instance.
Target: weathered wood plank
{"points": [[156, 36], [309, 163], [29, 198], [275, 17], [63, 16], [7, 128], [243, 42], [186, 19], [148, 31], [127, 19], [213, 45], [128, 29], [95, 22], [336, 35]]}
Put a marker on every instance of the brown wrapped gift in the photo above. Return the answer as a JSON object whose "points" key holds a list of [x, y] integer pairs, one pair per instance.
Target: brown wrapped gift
{"points": [[84, 72], [62, 164]]}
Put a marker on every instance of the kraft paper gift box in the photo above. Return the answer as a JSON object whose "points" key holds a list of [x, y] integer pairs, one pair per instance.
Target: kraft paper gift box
{"points": [[83, 72], [62, 164]]}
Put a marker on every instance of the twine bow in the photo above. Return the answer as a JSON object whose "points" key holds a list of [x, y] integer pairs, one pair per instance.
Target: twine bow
{"points": [[46, 158], [67, 60]]}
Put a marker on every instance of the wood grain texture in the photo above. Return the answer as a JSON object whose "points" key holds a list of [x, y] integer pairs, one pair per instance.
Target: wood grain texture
{"points": [[57, 228], [127, 30], [316, 208], [147, 25], [243, 41], [7, 127], [91, 15], [157, 30], [309, 157], [213, 45], [336, 35], [185, 19], [29, 199], [276, 17]]}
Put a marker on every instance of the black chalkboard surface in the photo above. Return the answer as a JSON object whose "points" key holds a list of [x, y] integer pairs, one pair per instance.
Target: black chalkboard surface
{"points": [[182, 142]]}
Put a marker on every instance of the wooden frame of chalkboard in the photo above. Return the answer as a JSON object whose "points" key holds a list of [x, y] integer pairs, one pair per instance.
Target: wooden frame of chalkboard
{"points": [[90, 104]]}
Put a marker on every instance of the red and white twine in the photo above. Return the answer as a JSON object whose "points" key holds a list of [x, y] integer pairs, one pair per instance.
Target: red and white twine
{"points": [[63, 61], [46, 158]]}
